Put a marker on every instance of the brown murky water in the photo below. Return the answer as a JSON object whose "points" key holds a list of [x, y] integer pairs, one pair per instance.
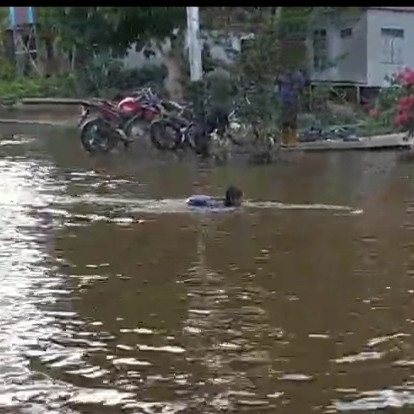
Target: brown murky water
{"points": [[115, 298]]}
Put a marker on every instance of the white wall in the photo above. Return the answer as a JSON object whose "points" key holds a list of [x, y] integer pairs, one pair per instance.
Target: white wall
{"points": [[377, 19], [217, 43]]}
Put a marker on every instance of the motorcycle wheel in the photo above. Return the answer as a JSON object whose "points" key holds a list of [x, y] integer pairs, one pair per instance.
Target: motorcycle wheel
{"points": [[192, 134], [136, 128], [165, 135], [198, 139], [94, 140]]}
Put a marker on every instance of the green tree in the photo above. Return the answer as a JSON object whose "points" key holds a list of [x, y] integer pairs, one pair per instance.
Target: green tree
{"points": [[115, 28], [278, 42], [85, 32]]}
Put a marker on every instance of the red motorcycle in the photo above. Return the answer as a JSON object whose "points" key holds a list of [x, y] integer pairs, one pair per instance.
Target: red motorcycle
{"points": [[113, 123]]}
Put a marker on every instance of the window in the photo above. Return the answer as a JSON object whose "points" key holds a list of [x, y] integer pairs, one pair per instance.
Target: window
{"points": [[345, 33], [246, 42], [392, 46], [320, 50]]}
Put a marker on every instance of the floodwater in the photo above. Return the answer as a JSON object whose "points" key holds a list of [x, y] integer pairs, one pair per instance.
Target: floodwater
{"points": [[115, 298]]}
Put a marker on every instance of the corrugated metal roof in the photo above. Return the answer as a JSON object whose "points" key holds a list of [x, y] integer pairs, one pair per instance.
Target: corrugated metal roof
{"points": [[397, 9]]}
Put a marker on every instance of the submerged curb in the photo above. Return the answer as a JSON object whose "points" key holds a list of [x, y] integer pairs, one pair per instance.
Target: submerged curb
{"points": [[385, 141], [12, 121], [397, 136]]}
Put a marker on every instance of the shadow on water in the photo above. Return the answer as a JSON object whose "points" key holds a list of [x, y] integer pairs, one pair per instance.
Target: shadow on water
{"points": [[113, 302]]}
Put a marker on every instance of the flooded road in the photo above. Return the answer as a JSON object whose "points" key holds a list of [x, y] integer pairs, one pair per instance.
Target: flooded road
{"points": [[115, 298]]}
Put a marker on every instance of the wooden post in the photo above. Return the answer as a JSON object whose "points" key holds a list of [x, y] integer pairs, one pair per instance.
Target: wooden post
{"points": [[358, 94]]}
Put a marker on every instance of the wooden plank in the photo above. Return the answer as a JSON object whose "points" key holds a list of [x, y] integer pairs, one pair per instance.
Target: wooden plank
{"points": [[365, 143]]}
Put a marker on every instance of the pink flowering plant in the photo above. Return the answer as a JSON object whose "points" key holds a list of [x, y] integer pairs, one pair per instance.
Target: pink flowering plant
{"points": [[394, 106], [404, 103]]}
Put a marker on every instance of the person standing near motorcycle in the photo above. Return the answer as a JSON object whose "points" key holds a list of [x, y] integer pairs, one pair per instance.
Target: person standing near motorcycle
{"points": [[290, 85], [220, 92], [213, 102]]}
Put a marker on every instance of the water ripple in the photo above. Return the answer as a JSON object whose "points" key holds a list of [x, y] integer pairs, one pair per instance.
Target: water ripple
{"points": [[111, 303], [377, 400]]}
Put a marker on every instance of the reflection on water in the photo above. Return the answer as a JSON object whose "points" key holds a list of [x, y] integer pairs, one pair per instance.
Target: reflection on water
{"points": [[112, 302], [27, 279]]}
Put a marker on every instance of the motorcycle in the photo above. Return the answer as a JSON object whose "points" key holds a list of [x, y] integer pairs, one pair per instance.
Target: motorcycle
{"points": [[170, 133], [115, 122]]}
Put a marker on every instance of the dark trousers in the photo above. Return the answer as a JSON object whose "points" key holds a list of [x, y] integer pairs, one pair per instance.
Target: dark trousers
{"points": [[289, 115], [217, 118]]}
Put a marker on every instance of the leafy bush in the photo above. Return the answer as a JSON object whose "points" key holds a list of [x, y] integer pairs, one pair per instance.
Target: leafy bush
{"points": [[392, 106], [7, 70], [103, 84], [25, 87], [105, 76]]}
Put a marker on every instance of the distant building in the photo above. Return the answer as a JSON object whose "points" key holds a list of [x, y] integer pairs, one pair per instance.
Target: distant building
{"points": [[358, 50], [362, 50], [221, 47]]}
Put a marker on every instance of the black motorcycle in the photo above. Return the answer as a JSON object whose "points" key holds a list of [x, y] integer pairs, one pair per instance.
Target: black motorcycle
{"points": [[188, 130]]}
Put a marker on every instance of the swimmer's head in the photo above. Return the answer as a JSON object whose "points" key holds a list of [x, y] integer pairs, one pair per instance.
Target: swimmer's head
{"points": [[234, 197]]}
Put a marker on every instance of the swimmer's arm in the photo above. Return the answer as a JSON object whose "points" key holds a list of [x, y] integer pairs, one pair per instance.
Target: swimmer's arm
{"points": [[217, 201]]}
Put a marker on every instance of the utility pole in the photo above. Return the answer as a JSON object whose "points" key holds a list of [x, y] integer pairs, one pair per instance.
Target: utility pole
{"points": [[194, 44]]}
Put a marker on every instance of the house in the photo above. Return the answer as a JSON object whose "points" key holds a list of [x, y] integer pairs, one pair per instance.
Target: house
{"points": [[353, 49], [363, 49]]}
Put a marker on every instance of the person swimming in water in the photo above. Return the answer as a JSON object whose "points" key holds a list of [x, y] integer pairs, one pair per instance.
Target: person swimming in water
{"points": [[232, 198]]}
